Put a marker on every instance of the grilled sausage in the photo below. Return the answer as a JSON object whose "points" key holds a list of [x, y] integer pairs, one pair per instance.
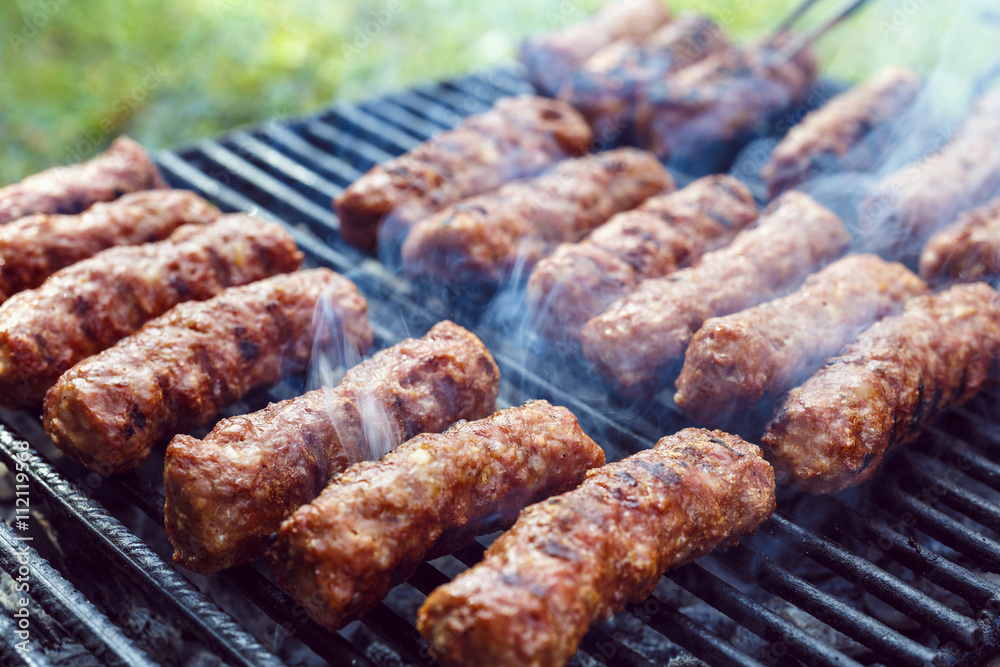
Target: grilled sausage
{"points": [[967, 249], [551, 58], [36, 246], [227, 493], [580, 280], [905, 208], [124, 167], [697, 117], [376, 522], [519, 137], [839, 134], [605, 87], [578, 558], [735, 362], [886, 387], [640, 339], [185, 366], [485, 238], [88, 306]]}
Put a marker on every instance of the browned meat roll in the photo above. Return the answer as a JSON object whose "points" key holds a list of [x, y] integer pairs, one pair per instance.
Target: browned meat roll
{"points": [[885, 388], [639, 341], [227, 493], [551, 58], [377, 521], [967, 249], [519, 137], [124, 167], [904, 209], [833, 137], [185, 366], [485, 238], [88, 306], [735, 362], [36, 246], [580, 280], [697, 117], [605, 87], [578, 558]]}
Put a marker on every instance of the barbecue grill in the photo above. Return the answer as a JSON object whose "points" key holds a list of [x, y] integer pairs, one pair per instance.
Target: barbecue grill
{"points": [[902, 571]]}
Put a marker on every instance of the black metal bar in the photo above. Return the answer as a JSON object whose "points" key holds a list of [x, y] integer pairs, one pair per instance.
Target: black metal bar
{"points": [[783, 637], [399, 634], [292, 170], [837, 614], [685, 632], [317, 158], [882, 539], [944, 622], [349, 117], [127, 554], [401, 117], [949, 492], [961, 454], [12, 655], [60, 600], [432, 111], [340, 142], [940, 526]]}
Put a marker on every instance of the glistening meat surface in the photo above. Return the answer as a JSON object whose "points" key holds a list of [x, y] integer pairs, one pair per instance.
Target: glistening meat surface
{"points": [[375, 523], [226, 494]]}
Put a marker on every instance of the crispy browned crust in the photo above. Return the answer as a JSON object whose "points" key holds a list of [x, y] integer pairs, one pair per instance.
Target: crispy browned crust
{"points": [[826, 137], [579, 557], [885, 388], [124, 167], [227, 493], [181, 368], [517, 138], [639, 341], [905, 208], [375, 523], [88, 306], [551, 58], [486, 237], [580, 280], [605, 87], [967, 249], [36, 246], [736, 361], [696, 114]]}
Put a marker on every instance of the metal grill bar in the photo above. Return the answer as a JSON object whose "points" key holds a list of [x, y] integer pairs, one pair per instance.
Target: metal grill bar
{"points": [[60, 600], [13, 656], [882, 539], [128, 554], [951, 493], [783, 636], [825, 607], [919, 606]]}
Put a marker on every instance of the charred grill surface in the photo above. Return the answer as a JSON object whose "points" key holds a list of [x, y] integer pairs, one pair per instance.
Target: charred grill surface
{"points": [[181, 368], [552, 58], [125, 167], [580, 280], [886, 387], [376, 522], [88, 306], [487, 237], [579, 557], [519, 137], [227, 493], [735, 362], [837, 135], [36, 246], [639, 341]]}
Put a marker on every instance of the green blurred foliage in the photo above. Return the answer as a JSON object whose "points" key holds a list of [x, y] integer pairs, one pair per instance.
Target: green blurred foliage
{"points": [[74, 74]]}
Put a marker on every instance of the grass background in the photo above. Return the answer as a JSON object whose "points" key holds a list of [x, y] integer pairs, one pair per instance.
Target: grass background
{"points": [[76, 73]]}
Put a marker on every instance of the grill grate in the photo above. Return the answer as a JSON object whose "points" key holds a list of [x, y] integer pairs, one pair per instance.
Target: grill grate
{"points": [[899, 572]]}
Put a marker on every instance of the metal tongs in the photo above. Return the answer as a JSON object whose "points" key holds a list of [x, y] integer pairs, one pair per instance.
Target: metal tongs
{"points": [[787, 51]]}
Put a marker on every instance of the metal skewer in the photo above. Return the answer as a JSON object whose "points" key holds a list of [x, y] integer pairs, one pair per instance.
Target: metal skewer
{"points": [[796, 46]]}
